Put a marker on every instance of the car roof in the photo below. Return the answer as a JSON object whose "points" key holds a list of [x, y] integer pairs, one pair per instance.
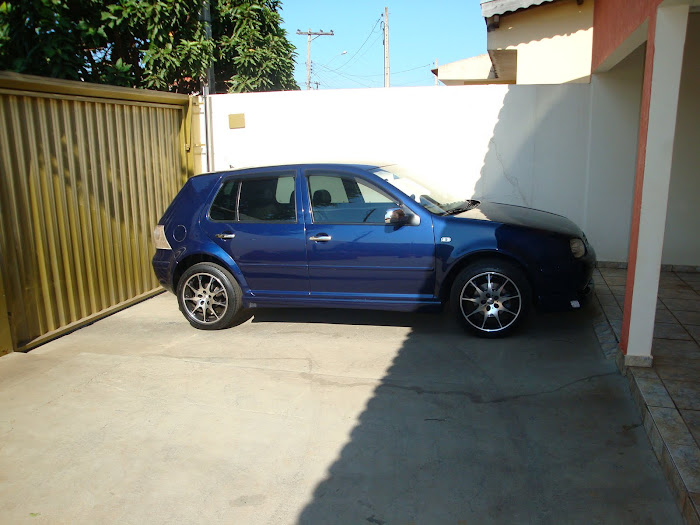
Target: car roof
{"points": [[363, 167]]}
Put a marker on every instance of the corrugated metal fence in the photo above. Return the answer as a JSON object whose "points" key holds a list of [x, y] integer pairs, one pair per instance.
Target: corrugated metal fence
{"points": [[85, 173]]}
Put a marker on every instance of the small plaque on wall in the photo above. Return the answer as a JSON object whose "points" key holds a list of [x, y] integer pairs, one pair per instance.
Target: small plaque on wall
{"points": [[236, 121]]}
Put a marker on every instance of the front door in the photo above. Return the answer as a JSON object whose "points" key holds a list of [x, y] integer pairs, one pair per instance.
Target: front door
{"points": [[353, 255]]}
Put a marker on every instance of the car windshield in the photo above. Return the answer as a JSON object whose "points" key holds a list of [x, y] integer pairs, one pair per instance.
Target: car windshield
{"points": [[434, 200]]}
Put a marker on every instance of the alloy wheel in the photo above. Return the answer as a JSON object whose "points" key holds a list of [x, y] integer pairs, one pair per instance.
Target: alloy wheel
{"points": [[204, 297], [490, 302]]}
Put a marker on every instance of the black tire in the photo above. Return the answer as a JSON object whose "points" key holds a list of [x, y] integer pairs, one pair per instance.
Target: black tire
{"points": [[491, 298], [209, 296]]}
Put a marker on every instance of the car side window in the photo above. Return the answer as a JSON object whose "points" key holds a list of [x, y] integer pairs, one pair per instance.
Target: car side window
{"points": [[259, 200], [347, 200], [255, 200], [224, 206]]}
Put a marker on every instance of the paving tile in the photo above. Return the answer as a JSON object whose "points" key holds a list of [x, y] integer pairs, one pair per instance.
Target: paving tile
{"points": [[604, 333], [671, 426], [653, 392], [664, 316], [616, 325], [657, 442], [610, 272], [685, 394], [616, 280], [694, 331], [692, 421], [688, 317], [671, 331], [678, 292], [695, 498], [691, 510], [609, 349], [612, 311], [687, 305], [607, 299], [675, 348], [670, 278], [687, 460], [644, 371], [673, 475], [620, 298], [678, 373], [617, 290]]}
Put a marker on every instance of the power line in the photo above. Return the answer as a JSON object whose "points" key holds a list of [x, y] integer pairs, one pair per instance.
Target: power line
{"points": [[344, 76], [394, 73], [363, 45]]}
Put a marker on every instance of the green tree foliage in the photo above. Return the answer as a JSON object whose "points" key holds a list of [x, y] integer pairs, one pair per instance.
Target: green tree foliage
{"points": [[157, 44]]}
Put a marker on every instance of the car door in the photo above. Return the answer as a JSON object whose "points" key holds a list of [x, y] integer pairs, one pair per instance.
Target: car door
{"points": [[353, 254], [254, 219]]}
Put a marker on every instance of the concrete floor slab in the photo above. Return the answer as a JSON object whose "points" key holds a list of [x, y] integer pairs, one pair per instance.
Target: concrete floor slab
{"points": [[317, 417]]}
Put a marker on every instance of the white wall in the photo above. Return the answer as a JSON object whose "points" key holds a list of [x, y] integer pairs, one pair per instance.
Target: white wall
{"points": [[570, 149], [615, 101], [681, 241]]}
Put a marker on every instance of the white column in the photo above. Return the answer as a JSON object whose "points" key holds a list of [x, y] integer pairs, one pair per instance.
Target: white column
{"points": [[669, 41]]}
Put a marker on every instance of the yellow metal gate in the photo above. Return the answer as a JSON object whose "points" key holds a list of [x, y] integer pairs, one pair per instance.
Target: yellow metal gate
{"points": [[85, 173]]}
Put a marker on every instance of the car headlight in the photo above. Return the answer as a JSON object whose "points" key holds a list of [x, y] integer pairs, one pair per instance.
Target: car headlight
{"points": [[159, 239], [578, 248]]}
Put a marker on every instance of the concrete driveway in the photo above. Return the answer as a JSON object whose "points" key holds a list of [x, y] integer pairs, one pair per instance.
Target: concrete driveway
{"points": [[322, 417]]}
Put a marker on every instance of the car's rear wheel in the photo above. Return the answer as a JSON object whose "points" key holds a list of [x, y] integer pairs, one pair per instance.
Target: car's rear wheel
{"points": [[491, 298], [209, 296]]}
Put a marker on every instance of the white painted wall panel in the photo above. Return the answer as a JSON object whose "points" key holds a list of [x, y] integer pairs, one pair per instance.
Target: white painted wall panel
{"points": [[681, 242], [569, 149]]}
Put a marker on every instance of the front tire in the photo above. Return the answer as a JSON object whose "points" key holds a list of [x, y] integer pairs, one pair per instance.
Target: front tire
{"points": [[209, 296], [491, 298]]}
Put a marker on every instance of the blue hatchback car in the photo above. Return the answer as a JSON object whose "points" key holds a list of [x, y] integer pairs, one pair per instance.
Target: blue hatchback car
{"points": [[355, 236]]}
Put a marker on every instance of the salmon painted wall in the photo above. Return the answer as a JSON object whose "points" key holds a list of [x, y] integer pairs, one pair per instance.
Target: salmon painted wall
{"points": [[614, 21]]}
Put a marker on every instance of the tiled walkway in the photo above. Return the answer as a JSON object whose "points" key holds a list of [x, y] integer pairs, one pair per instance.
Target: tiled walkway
{"points": [[668, 394]]}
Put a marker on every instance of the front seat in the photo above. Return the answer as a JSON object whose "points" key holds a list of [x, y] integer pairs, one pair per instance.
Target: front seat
{"points": [[321, 198]]}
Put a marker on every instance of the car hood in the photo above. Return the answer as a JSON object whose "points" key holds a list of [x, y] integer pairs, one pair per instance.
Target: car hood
{"points": [[520, 216]]}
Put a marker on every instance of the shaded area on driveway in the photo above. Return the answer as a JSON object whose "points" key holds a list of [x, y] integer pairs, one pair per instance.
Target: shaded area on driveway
{"points": [[310, 416], [538, 428]]}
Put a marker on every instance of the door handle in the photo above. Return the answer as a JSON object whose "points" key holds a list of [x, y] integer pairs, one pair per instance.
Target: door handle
{"points": [[226, 235], [321, 237]]}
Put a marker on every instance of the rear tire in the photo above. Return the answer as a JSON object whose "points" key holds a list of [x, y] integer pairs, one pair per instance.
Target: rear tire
{"points": [[491, 298], [209, 296]]}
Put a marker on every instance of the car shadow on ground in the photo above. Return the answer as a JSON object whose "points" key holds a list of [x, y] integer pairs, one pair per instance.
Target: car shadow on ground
{"points": [[536, 428]]}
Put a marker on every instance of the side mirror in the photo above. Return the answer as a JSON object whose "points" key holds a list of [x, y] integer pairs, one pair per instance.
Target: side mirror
{"points": [[395, 216]]}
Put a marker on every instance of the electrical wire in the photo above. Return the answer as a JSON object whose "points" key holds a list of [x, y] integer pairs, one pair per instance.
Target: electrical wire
{"points": [[393, 72], [360, 48], [335, 72]]}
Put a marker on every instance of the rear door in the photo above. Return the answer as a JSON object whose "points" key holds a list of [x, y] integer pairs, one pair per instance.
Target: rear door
{"points": [[255, 218], [353, 255]]}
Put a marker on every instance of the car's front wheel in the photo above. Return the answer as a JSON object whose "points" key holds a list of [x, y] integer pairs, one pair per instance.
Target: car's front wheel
{"points": [[491, 298], [209, 296]]}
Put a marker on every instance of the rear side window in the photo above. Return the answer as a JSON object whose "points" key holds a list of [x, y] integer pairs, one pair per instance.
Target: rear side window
{"points": [[224, 206], [255, 200]]}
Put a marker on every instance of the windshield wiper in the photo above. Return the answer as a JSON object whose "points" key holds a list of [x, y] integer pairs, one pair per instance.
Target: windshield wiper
{"points": [[465, 206]]}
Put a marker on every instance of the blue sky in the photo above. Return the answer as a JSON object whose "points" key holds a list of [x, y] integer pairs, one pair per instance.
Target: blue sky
{"points": [[419, 33]]}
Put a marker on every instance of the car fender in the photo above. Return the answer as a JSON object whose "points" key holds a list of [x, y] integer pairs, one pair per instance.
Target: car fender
{"points": [[209, 250]]}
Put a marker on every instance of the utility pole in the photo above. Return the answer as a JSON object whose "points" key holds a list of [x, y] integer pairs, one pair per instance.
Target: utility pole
{"points": [[208, 87], [209, 81], [309, 33], [387, 74]]}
